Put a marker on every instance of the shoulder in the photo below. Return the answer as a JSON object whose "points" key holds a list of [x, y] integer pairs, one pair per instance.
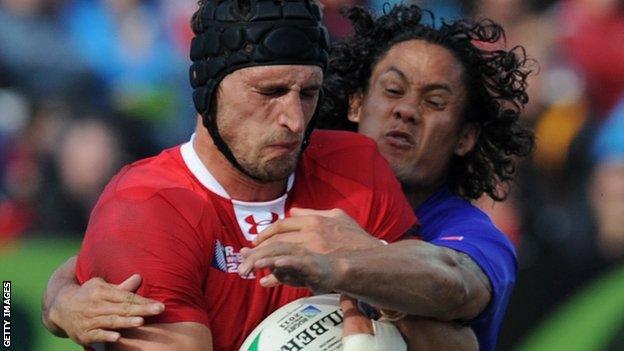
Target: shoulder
{"points": [[325, 142], [343, 154], [447, 217], [166, 170], [155, 185], [444, 209]]}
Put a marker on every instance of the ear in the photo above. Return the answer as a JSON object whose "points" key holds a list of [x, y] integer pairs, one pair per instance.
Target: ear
{"points": [[355, 107], [467, 139]]}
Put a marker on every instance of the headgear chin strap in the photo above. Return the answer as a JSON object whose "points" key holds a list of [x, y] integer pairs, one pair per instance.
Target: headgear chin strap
{"points": [[273, 32]]}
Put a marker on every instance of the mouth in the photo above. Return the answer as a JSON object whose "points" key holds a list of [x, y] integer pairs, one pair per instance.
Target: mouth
{"points": [[285, 147], [400, 140]]}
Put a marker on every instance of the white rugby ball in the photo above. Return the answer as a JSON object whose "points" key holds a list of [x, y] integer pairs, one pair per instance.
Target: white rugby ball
{"points": [[310, 323]]}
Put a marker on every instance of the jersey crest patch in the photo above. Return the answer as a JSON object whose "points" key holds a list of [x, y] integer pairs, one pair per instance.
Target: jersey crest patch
{"points": [[227, 260]]}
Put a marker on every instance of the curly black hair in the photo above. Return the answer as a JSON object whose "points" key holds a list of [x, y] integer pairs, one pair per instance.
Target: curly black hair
{"points": [[495, 80]]}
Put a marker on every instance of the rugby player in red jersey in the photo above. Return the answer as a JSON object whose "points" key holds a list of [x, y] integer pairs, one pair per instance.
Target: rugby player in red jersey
{"points": [[180, 219]]}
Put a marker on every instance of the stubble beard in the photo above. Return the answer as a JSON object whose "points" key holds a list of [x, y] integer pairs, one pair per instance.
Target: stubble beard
{"points": [[275, 169], [263, 167]]}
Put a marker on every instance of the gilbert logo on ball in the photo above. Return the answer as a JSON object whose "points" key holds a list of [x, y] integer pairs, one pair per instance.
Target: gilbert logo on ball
{"points": [[310, 323]]}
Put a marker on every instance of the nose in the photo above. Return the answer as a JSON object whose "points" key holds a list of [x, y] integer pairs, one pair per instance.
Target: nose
{"points": [[292, 115], [406, 111]]}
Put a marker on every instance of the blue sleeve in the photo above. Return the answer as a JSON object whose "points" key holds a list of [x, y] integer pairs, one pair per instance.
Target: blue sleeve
{"points": [[492, 251]]}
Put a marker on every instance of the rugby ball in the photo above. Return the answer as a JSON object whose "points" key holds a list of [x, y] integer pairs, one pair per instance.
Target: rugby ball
{"points": [[310, 323]]}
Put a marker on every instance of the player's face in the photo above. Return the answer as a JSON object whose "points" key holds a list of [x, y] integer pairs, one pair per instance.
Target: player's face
{"points": [[262, 114], [413, 109]]}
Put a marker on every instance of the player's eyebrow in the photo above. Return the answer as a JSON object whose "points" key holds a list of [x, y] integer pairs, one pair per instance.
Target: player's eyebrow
{"points": [[438, 86], [285, 86], [398, 72], [427, 88], [271, 85]]}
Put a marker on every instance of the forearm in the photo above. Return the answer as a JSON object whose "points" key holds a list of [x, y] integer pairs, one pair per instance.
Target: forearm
{"points": [[413, 277], [422, 334], [62, 278], [187, 336]]}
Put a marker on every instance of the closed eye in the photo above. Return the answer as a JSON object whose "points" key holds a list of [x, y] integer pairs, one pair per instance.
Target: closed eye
{"points": [[438, 105], [275, 92], [394, 92]]}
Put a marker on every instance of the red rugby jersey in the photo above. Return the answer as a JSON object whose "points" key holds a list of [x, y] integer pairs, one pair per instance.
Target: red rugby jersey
{"points": [[168, 219]]}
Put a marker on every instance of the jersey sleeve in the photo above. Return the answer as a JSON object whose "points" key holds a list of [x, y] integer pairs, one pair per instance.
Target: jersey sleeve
{"points": [[156, 237], [494, 254], [391, 216]]}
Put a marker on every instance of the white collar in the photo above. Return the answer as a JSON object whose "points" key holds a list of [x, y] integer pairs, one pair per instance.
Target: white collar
{"points": [[199, 170]]}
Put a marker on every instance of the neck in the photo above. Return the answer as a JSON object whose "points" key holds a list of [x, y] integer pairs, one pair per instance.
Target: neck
{"points": [[417, 194], [238, 185]]}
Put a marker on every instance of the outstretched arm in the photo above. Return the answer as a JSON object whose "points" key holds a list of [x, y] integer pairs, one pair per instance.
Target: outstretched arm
{"points": [[328, 251], [417, 278]]}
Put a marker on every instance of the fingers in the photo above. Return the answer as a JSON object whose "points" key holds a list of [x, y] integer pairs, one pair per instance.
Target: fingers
{"points": [[114, 322], [269, 281], [131, 284], [96, 336], [282, 226], [347, 302], [287, 237], [253, 255], [127, 309], [298, 212], [292, 263], [111, 299], [355, 322], [120, 296], [299, 220]]}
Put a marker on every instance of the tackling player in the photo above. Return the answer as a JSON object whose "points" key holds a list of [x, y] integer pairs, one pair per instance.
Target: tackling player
{"points": [[444, 111]]}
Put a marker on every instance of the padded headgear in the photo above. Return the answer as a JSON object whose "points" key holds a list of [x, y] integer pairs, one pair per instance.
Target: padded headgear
{"points": [[268, 32]]}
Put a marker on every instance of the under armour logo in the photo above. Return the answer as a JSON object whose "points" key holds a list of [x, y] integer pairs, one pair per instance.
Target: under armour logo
{"points": [[254, 225]]}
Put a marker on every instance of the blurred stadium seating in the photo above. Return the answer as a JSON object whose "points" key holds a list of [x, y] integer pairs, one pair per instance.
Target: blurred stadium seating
{"points": [[114, 72]]}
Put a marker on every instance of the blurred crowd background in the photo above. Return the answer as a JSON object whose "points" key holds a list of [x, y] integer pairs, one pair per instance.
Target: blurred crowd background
{"points": [[89, 85]]}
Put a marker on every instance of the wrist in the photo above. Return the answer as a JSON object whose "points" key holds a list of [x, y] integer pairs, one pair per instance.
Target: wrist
{"points": [[52, 316], [342, 270], [48, 318]]}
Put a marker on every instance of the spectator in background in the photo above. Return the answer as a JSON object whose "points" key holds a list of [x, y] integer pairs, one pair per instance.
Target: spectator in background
{"points": [[87, 156], [17, 179], [34, 49], [28, 147], [127, 44], [592, 38], [606, 186]]}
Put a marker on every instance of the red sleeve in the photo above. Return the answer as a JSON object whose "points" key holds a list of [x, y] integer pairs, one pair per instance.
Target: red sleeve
{"points": [[391, 215], [156, 237]]}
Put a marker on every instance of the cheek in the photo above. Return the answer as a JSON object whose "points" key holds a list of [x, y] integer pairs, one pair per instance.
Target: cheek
{"points": [[368, 127], [372, 119], [235, 127], [443, 128], [439, 135]]}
